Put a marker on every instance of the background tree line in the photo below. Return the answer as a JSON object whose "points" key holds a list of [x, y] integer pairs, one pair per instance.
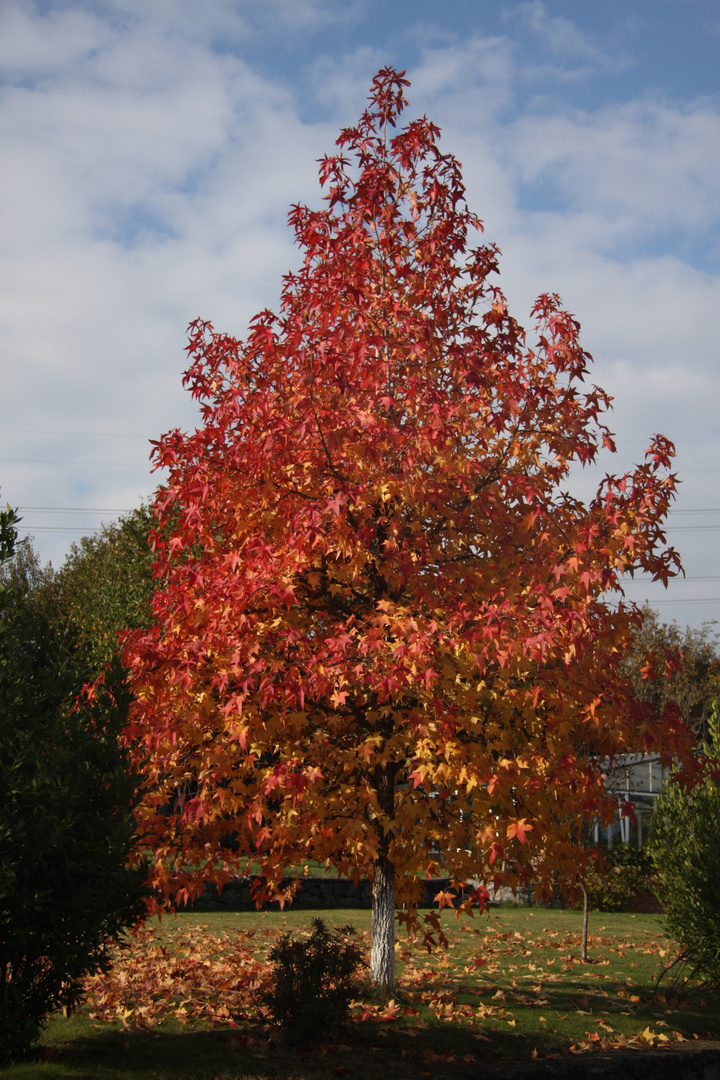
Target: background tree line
{"points": [[670, 664]]}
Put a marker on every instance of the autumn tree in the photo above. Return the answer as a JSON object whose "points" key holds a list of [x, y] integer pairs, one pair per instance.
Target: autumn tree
{"points": [[383, 640], [667, 664]]}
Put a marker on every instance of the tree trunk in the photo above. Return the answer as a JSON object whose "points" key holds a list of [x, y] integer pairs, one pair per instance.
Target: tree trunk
{"points": [[382, 948], [586, 916]]}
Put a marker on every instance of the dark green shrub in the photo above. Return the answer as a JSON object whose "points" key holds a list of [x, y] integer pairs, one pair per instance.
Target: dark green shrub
{"points": [[314, 981], [67, 794], [685, 843], [626, 881]]}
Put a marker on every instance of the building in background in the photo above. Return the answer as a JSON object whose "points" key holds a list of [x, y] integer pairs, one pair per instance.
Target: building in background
{"points": [[637, 779]]}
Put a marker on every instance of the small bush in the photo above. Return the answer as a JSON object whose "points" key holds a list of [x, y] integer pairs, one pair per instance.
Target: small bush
{"points": [[313, 981], [626, 882]]}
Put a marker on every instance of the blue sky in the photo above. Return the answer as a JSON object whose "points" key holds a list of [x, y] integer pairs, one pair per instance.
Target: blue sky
{"points": [[151, 150]]}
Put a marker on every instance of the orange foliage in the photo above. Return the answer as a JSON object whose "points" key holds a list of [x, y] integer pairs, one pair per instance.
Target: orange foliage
{"points": [[383, 638]]}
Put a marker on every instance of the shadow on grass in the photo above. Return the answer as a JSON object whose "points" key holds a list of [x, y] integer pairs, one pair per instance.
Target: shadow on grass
{"points": [[367, 1050]]}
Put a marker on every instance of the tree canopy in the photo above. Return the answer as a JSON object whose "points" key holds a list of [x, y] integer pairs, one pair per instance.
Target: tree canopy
{"points": [[383, 639]]}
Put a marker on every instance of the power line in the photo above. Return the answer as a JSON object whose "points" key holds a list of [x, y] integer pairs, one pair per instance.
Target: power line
{"points": [[673, 581], [126, 510], [144, 465], [55, 461], [132, 435], [73, 434], [700, 600], [129, 435], [77, 509], [57, 529]]}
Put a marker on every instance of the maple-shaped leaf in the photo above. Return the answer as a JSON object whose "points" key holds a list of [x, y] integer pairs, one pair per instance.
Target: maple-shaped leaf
{"points": [[444, 899], [519, 829]]}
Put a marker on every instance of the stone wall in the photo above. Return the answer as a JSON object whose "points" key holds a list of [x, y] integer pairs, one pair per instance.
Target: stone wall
{"points": [[315, 892]]}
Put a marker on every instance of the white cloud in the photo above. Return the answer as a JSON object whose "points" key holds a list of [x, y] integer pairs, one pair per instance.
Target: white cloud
{"points": [[148, 182], [644, 166], [562, 38], [31, 46], [150, 164]]}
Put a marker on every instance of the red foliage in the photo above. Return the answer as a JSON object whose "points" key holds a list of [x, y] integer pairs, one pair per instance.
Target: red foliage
{"points": [[383, 636]]}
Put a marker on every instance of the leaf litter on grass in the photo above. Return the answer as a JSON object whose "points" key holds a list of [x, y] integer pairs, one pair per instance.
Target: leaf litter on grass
{"points": [[493, 983], [194, 973]]}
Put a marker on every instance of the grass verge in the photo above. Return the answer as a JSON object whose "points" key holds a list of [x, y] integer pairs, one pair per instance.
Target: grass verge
{"points": [[180, 1002]]}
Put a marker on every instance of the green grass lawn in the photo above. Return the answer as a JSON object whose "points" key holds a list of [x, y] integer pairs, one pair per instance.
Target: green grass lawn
{"points": [[179, 1002]]}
